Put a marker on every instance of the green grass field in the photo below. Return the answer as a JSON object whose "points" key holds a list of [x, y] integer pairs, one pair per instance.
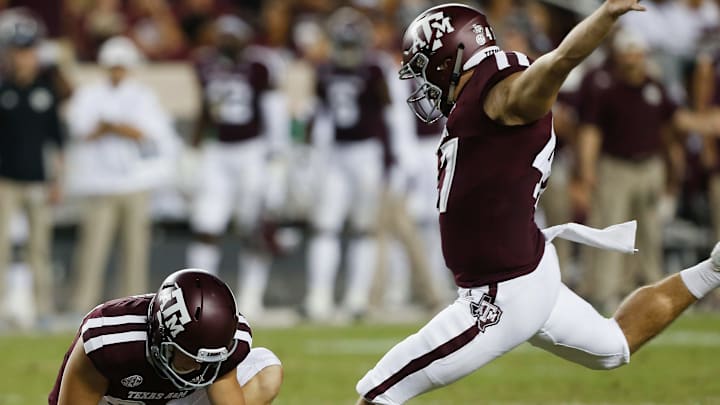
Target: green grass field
{"points": [[322, 365]]}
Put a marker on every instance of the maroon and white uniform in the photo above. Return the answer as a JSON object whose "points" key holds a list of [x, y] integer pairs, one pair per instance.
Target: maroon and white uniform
{"points": [[114, 336], [349, 130], [247, 116], [235, 181], [356, 99], [490, 178], [347, 135], [510, 291], [231, 93]]}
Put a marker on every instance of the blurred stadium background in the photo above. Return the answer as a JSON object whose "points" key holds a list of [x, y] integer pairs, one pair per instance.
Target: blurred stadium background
{"points": [[324, 356]]}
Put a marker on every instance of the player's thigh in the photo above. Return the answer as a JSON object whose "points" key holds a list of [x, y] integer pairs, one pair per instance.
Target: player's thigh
{"points": [[366, 180], [250, 173], [249, 372], [213, 201], [465, 336], [332, 201], [575, 331]]}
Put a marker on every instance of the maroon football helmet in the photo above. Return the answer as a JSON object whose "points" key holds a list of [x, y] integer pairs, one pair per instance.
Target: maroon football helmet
{"points": [[194, 313], [438, 46]]}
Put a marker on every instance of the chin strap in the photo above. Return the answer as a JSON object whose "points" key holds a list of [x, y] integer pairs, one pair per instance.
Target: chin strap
{"points": [[455, 77]]}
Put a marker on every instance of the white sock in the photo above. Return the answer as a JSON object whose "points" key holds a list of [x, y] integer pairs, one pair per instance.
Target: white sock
{"points": [[362, 263], [203, 256], [323, 263], [701, 279], [252, 281]]}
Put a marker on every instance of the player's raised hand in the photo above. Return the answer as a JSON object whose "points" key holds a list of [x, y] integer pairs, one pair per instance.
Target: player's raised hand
{"points": [[616, 8]]}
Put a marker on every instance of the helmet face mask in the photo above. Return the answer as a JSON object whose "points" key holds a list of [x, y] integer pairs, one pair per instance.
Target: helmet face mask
{"points": [[425, 101], [210, 361], [193, 320]]}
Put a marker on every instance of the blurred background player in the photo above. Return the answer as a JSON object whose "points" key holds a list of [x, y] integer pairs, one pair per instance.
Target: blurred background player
{"points": [[240, 106], [348, 132], [125, 142], [30, 127]]}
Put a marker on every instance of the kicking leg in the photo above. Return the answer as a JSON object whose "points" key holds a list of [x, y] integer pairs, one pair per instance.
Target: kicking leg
{"points": [[650, 309], [575, 331]]}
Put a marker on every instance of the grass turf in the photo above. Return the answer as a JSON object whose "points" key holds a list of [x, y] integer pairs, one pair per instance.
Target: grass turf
{"points": [[322, 365]]}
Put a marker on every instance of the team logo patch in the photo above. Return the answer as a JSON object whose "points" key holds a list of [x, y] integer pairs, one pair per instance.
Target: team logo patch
{"points": [[174, 312], [429, 30], [479, 34], [486, 313], [483, 34], [132, 381]]}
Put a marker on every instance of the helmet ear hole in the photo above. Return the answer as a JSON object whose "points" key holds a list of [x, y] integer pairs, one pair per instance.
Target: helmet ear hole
{"points": [[198, 310], [445, 64]]}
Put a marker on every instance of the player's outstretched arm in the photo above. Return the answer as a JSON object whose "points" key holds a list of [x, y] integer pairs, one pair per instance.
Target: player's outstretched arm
{"points": [[529, 95], [81, 383], [226, 390]]}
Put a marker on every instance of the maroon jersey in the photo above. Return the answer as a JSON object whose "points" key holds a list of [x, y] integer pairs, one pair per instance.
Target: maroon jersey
{"points": [[356, 99], [490, 178], [630, 118], [231, 91], [425, 130], [114, 336]]}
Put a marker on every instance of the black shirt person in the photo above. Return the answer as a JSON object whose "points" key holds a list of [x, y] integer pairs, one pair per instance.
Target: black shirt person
{"points": [[29, 124]]}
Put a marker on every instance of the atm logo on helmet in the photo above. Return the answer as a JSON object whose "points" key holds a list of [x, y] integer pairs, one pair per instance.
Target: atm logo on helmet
{"points": [[176, 315], [429, 30]]}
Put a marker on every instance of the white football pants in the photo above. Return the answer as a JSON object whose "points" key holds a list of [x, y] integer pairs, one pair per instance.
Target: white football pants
{"points": [[487, 322]]}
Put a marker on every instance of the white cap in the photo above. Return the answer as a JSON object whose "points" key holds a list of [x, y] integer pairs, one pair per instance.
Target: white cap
{"points": [[626, 40], [119, 52]]}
